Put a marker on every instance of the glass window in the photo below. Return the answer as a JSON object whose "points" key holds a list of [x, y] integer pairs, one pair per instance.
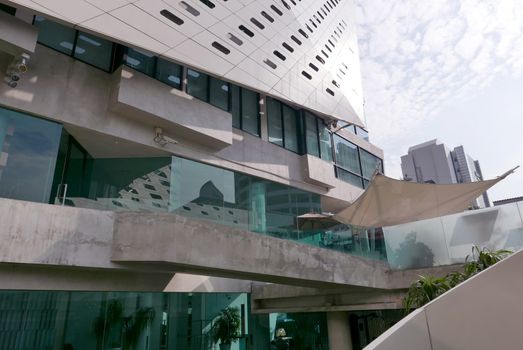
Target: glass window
{"points": [[369, 163], [94, 50], [235, 106], [290, 127], [169, 73], [28, 153], [362, 133], [219, 93], [274, 122], [346, 154], [349, 177], [197, 84], [325, 141], [250, 112], [54, 35], [311, 135], [140, 60]]}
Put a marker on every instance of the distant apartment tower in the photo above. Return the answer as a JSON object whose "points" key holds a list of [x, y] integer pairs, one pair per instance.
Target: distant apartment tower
{"points": [[434, 162]]}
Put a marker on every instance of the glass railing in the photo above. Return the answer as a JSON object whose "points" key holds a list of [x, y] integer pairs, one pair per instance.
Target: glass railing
{"points": [[196, 190], [449, 239]]}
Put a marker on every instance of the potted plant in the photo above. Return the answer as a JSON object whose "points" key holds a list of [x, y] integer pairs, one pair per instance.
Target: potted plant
{"points": [[226, 327]]}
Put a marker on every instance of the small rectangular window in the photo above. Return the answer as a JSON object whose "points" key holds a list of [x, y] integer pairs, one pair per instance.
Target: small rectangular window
{"points": [[311, 135], [94, 50], [250, 109], [169, 73], [54, 35], [197, 84], [274, 121], [291, 129], [140, 60], [219, 93]]}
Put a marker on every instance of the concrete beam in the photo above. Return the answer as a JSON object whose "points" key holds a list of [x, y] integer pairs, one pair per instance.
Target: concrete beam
{"points": [[172, 242]]}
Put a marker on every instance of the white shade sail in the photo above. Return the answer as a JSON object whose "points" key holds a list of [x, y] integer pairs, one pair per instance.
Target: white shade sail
{"points": [[388, 202]]}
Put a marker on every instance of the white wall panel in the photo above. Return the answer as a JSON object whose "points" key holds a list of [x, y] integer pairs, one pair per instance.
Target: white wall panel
{"points": [[140, 23]]}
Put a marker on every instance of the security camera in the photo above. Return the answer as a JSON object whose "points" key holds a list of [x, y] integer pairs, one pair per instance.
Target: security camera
{"points": [[20, 64], [12, 84], [161, 139], [15, 76]]}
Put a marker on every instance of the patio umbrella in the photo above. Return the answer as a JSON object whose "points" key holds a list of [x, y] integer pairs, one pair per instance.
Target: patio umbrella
{"points": [[315, 222]]}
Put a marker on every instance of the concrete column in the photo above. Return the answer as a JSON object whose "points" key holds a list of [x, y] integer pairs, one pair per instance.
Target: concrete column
{"points": [[339, 330]]}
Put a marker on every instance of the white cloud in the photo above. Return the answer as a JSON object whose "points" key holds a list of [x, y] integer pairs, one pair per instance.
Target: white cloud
{"points": [[417, 56]]}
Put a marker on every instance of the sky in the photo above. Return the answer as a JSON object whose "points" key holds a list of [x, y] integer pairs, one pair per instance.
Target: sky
{"points": [[450, 70]]}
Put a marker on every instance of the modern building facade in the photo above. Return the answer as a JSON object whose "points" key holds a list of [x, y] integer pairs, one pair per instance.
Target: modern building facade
{"points": [[155, 157], [434, 162]]}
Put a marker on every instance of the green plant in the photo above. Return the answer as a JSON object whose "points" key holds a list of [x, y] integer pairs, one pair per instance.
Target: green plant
{"points": [[135, 324], [129, 327], [226, 327], [428, 288], [425, 289]]}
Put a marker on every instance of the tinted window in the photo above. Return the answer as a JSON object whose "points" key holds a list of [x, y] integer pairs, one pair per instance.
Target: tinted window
{"points": [[94, 50], [219, 93], [197, 84], [250, 111], [140, 60], [325, 141], [274, 122], [311, 135], [346, 154], [235, 106], [290, 127], [169, 73], [54, 35]]}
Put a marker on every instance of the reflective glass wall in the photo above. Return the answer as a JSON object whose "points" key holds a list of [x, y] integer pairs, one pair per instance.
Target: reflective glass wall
{"points": [[299, 331], [118, 320], [28, 152]]}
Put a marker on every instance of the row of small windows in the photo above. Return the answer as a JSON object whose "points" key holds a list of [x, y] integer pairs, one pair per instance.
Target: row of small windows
{"points": [[298, 131]]}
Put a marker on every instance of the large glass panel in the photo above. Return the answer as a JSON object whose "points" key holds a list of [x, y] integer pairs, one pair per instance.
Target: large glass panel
{"points": [[219, 93], [198, 84], [54, 35], [239, 200], [311, 135], [169, 72], [94, 50], [274, 122], [250, 112], [325, 141], [235, 106], [28, 152], [141, 61], [290, 127], [349, 177], [119, 320], [369, 163], [346, 154]]}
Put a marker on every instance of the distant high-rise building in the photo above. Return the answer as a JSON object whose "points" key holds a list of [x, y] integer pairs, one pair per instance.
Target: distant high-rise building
{"points": [[434, 162]]}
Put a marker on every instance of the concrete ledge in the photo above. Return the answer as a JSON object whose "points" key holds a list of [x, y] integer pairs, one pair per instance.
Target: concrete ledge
{"points": [[174, 242], [181, 116]]}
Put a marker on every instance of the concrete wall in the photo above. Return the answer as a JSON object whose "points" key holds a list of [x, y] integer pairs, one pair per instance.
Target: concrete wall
{"points": [[16, 36], [170, 242], [482, 313]]}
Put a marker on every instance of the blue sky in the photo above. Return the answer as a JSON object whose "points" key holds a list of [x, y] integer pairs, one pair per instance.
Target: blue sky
{"points": [[446, 69]]}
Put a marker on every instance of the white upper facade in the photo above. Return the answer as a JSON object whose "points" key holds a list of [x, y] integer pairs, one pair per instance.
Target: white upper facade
{"points": [[302, 51]]}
